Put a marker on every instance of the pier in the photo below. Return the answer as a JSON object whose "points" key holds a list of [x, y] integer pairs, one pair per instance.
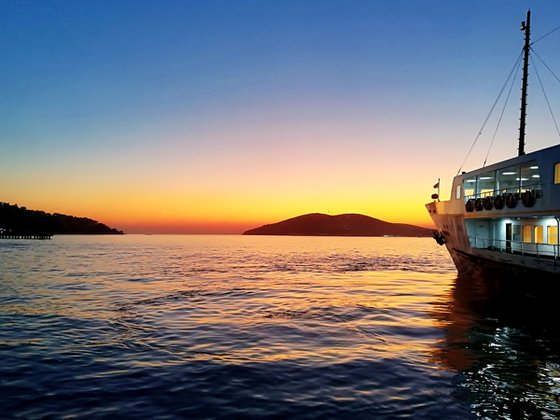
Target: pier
{"points": [[13, 235]]}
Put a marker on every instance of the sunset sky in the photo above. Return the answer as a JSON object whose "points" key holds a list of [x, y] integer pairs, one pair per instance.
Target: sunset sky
{"points": [[219, 116]]}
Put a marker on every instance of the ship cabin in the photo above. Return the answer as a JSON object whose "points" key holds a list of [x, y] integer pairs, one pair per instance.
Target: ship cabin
{"points": [[513, 206]]}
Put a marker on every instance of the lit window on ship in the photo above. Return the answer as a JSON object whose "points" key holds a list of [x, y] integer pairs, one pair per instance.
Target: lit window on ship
{"points": [[509, 180]]}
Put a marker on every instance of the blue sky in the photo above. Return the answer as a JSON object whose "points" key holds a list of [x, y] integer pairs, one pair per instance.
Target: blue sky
{"points": [[193, 95]]}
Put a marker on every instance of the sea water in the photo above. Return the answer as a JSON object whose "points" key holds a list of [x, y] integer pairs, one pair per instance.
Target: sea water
{"points": [[228, 326]]}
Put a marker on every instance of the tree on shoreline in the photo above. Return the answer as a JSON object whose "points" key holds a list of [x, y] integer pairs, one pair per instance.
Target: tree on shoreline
{"points": [[20, 220]]}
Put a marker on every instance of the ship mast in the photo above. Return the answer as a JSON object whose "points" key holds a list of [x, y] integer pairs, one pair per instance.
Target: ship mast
{"points": [[526, 27]]}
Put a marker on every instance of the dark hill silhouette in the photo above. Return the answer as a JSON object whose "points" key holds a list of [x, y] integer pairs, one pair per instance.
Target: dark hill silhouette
{"points": [[317, 224], [20, 221]]}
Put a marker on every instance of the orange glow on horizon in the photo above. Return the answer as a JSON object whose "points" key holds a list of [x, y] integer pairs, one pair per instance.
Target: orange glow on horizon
{"points": [[222, 216], [229, 194]]}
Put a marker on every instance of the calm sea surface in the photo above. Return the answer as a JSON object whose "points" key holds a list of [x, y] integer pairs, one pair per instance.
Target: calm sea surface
{"points": [[244, 326]]}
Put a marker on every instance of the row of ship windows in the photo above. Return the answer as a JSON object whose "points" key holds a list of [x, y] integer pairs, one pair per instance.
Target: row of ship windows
{"points": [[517, 178], [511, 179], [535, 234]]}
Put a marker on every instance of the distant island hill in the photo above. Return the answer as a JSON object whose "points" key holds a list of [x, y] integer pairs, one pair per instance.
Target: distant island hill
{"points": [[317, 224], [19, 222]]}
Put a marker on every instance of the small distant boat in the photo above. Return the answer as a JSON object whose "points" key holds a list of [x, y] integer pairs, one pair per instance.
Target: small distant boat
{"points": [[504, 219]]}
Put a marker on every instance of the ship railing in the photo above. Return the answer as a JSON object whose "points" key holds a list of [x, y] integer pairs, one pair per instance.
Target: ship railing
{"points": [[532, 249], [535, 187]]}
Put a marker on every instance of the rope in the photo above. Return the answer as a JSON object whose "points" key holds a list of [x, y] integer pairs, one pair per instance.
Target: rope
{"points": [[546, 65], [546, 98], [490, 112], [503, 109], [545, 35]]}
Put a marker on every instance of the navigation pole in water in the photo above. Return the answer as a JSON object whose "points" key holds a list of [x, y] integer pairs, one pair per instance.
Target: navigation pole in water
{"points": [[525, 26]]}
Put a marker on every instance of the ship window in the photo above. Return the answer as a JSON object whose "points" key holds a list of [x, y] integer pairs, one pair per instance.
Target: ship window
{"points": [[529, 178], [507, 180], [458, 192], [552, 234], [557, 173], [469, 187], [539, 234], [527, 231], [485, 184]]}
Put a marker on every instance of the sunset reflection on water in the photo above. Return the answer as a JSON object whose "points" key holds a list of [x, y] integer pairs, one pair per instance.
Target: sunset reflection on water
{"points": [[505, 344]]}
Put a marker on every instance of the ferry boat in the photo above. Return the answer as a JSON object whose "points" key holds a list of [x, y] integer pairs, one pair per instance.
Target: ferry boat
{"points": [[504, 219]]}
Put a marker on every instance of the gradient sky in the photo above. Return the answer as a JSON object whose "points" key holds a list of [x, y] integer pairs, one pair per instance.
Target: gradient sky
{"points": [[218, 116]]}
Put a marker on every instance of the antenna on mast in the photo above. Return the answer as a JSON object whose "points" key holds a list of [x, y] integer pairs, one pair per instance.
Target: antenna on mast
{"points": [[526, 27]]}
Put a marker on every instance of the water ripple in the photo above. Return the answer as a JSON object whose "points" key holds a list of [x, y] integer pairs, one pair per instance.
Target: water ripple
{"points": [[233, 326]]}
